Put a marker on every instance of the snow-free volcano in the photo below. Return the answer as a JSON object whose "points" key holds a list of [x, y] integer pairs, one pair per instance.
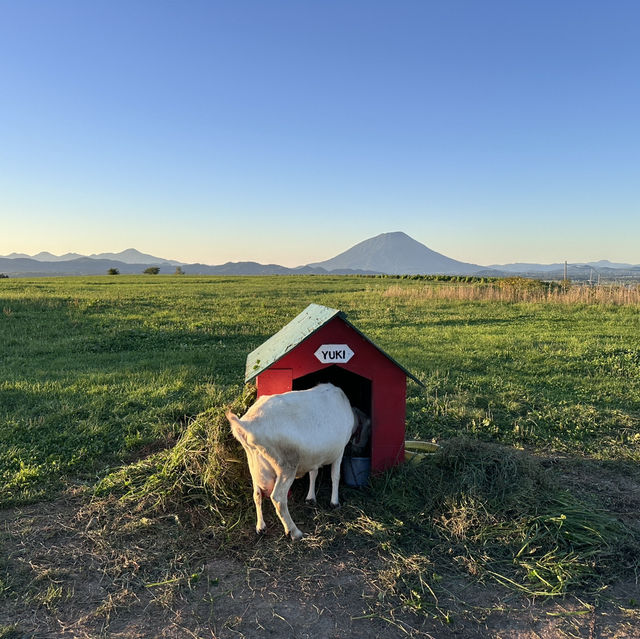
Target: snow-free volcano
{"points": [[396, 254]]}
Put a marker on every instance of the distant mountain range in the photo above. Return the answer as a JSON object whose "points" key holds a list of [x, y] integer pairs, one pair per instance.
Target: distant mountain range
{"points": [[389, 253], [523, 267], [128, 256]]}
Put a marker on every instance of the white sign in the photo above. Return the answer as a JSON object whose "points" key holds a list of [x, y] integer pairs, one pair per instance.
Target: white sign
{"points": [[334, 353]]}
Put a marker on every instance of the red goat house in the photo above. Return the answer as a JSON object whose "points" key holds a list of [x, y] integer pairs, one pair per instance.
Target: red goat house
{"points": [[320, 345]]}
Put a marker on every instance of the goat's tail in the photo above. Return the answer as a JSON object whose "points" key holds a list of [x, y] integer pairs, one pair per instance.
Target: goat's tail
{"points": [[238, 430]]}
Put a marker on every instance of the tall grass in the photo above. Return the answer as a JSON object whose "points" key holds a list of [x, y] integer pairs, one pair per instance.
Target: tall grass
{"points": [[528, 291]]}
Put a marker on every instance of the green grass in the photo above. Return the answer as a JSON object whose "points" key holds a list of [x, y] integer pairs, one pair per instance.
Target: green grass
{"points": [[120, 383], [94, 370]]}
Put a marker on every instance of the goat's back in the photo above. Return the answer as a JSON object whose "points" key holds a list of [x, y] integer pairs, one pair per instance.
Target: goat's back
{"points": [[314, 425]]}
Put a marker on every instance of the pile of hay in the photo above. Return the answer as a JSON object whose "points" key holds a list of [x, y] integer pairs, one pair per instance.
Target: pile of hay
{"points": [[501, 515], [203, 478]]}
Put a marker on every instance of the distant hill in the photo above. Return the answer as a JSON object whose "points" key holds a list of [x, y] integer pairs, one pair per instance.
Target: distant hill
{"points": [[254, 268], [575, 272], [396, 254], [128, 256], [527, 267], [586, 271], [608, 264], [29, 267], [44, 256], [133, 256], [389, 253]]}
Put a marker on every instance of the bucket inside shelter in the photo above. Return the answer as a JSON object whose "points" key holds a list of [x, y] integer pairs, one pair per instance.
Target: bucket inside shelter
{"points": [[356, 471]]}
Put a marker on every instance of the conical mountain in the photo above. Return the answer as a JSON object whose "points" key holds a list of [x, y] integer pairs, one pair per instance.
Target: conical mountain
{"points": [[132, 256], [396, 254]]}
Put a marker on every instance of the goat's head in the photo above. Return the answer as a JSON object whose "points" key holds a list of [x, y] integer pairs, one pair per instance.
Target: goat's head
{"points": [[361, 431]]}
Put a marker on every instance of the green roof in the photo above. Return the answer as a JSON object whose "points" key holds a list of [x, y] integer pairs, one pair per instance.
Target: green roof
{"points": [[296, 331]]}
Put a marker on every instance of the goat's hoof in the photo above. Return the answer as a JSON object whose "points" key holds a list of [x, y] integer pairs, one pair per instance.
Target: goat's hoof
{"points": [[310, 502], [296, 534], [261, 531], [334, 506]]}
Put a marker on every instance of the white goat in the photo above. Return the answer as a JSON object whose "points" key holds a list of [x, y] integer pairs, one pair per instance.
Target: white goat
{"points": [[288, 435]]}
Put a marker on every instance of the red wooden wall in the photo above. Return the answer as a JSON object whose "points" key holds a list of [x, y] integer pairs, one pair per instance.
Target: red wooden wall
{"points": [[388, 385]]}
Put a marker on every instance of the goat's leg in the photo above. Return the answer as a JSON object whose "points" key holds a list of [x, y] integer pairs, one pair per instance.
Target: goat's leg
{"points": [[335, 480], [279, 499], [257, 499], [311, 495]]}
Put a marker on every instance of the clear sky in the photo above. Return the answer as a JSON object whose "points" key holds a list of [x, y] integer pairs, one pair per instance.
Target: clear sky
{"points": [[286, 132]]}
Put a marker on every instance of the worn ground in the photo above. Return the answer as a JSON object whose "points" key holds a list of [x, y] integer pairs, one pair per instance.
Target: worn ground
{"points": [[75, 567]]}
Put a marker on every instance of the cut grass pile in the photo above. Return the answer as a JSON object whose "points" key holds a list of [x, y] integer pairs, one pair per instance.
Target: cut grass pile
{"points": [[203, 478], [476, 508], [501, 515]]}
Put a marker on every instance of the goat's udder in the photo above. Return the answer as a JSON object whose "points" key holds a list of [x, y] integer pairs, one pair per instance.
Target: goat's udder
{"points": [[266, 492]]}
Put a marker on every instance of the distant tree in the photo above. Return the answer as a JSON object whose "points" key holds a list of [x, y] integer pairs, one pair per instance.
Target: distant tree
{"points": [[152, 270], [113, 271], [179, 271], [3, 276]]}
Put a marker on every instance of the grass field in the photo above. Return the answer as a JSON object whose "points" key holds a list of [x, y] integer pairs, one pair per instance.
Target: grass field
{"points": [[101, 373]]}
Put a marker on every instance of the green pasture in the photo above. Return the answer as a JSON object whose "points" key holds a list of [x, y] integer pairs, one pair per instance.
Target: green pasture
{"points": [[117, 386], [98, 371]]}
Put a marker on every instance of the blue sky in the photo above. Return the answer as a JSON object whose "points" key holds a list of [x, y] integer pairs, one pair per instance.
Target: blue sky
{"points": [[288, 131]]}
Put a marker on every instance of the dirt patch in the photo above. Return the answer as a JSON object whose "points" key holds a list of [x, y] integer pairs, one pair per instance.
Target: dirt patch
{"points": [[613, 486], [74, 568]]}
